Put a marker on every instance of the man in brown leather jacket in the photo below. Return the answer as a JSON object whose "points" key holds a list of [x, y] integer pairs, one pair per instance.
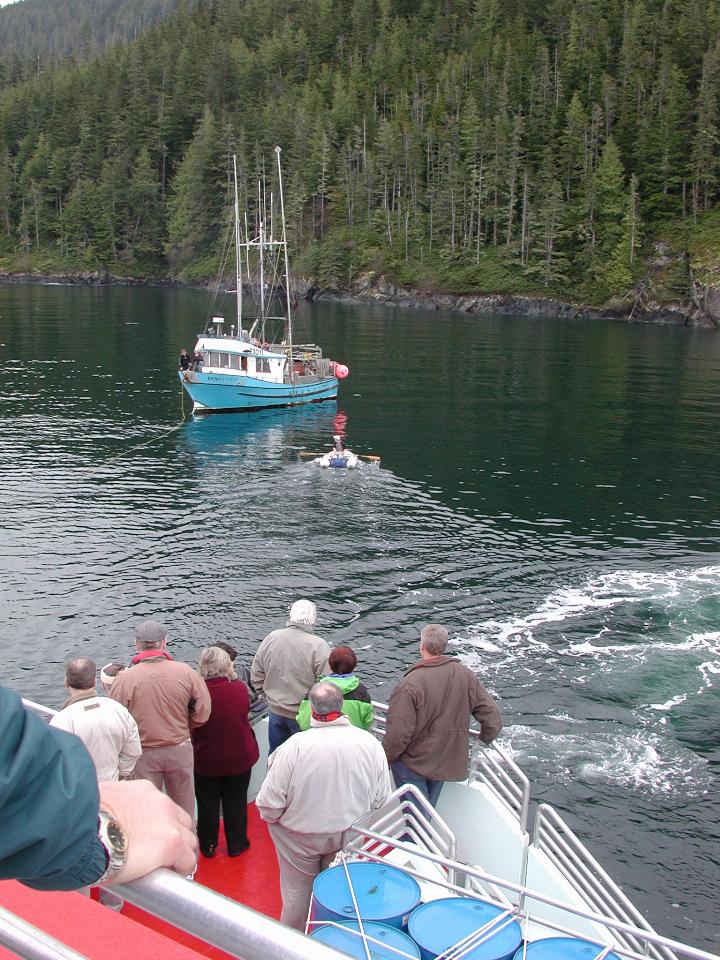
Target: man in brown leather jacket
{"points": [[426, 738]]}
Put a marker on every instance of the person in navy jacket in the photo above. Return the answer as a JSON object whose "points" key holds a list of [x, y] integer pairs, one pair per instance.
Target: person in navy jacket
{"points": [[225, 752]]}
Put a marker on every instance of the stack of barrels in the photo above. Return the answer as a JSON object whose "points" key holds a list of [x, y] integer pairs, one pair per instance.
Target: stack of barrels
{"points": [[397, 926]]}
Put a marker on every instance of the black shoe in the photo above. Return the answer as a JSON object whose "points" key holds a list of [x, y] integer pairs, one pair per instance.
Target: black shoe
{"points": [[235, 852], [208, 849]]}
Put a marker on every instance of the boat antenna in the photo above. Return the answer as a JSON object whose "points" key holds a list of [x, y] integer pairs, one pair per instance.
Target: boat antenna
{"points": [[238, 253], [278, 151]]}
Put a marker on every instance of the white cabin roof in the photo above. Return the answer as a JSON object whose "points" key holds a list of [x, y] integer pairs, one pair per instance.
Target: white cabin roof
{"points": [[233, 345]]}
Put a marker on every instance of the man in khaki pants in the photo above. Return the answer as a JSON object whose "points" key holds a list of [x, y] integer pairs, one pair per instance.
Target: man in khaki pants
{"points": [[167, 699], [318, 784]]}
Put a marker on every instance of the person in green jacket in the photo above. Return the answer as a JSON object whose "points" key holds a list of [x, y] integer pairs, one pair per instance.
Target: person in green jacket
{"points": [[357, 705]]}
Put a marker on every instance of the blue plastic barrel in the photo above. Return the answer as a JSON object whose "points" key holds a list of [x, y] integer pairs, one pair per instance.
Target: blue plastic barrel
{"points": [[563, 948], [383, 893], [440, 924], [392, 939]]}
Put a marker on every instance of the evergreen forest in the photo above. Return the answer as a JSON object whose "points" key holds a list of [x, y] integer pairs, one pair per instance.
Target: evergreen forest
{"points": [[34, 33], [536, 146]]}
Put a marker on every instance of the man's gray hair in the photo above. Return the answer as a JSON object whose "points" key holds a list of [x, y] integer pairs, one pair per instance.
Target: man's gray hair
{"points": [[434, 638], [149, 635], [325, 698], [304, 613], [215, 662], [81, 673]]}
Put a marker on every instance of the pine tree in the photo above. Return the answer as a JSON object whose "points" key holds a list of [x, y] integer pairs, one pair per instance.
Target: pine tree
{"points": [[196, 198], [706, 143]]}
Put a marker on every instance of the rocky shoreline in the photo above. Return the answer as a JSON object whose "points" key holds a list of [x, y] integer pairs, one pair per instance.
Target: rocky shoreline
{"points": [[703, 311]]}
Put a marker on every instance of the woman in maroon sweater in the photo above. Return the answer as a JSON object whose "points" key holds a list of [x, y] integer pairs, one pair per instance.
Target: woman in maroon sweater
{"points": [[225, 752]]}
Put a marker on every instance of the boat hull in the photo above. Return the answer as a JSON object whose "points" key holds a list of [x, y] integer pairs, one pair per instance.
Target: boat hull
{"points": [[217, 393]]}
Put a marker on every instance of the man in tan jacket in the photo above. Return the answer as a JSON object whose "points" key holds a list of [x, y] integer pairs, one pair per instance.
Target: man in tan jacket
{"points": [[426, 739], [286, 665], [167, 699]]}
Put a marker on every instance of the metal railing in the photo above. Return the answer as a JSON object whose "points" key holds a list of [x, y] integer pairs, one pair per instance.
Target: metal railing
{"points": [[405, 814], [45, 712], [25, 940], [217, 920], [554, 838], [468, 879], [487, 764]]}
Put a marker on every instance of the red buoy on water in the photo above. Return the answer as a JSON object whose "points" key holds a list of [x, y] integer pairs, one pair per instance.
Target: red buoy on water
{"points": [[341, 371]]}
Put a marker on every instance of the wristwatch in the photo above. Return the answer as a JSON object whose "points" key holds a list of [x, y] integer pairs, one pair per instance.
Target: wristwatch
{"points": [[113, 838]]}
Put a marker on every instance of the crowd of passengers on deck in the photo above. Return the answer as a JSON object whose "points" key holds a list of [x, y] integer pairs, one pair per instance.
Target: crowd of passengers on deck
{"points": [[189, 732]]}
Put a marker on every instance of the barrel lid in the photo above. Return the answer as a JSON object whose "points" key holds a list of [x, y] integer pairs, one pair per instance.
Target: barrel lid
{"points": [[563, 948], [440, 924], [342, 938], [381, 891]]}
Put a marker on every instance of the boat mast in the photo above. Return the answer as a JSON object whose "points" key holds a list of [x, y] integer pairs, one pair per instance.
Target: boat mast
{"points": [[287, 266], [261, 256], [238, 254]]}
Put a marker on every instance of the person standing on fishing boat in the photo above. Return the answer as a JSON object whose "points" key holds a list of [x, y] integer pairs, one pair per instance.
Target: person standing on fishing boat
{"points": [[184, 360]]}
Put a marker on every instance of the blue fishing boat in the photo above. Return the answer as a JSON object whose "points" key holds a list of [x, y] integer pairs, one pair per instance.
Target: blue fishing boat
{"points": [[246, 369]]}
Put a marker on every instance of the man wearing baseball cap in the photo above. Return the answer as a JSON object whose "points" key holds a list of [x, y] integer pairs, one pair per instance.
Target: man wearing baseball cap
{"points": [[167, 699]]}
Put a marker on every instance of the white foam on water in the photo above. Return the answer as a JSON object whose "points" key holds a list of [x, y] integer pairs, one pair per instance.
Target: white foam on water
{"points": [[600, 593], [669, 704], [641, 760]]}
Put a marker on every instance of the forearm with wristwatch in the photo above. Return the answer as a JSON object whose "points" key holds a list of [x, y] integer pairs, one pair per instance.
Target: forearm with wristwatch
{"points": [[115, 845]]}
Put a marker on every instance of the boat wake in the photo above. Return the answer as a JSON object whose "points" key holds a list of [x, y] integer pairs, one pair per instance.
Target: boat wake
{"points": [[642, 761], [641, 652]]}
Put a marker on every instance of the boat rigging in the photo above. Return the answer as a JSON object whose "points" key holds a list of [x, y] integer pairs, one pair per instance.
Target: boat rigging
{"points": [[245, 369]]}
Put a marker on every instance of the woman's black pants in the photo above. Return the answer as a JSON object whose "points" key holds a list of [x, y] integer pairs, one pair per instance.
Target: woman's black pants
{"points": [[232, 793]]}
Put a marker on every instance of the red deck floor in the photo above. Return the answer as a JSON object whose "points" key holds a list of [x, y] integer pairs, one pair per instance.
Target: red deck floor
{"points": [[88, 927], [251, 879]]}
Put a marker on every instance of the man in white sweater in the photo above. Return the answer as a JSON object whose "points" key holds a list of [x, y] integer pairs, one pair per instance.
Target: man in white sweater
{"points": [[318, 784], [105, 726]]}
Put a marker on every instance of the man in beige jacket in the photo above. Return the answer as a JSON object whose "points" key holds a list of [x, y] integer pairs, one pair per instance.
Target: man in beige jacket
{"points": [[167, 699], [104, 726], [286, 665]]}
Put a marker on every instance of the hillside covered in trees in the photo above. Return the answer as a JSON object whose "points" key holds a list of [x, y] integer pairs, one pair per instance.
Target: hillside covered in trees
{"points": [[466, 145], [35, 33]]}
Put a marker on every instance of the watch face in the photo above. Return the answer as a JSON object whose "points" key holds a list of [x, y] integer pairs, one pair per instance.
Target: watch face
{"points": [[116, 837]]}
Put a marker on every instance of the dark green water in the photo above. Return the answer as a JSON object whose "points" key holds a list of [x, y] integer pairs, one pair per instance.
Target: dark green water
{"points": [[548, 491]]}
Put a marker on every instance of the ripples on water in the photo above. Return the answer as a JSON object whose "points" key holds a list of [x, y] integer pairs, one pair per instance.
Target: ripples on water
{"points": [[548, 491]]}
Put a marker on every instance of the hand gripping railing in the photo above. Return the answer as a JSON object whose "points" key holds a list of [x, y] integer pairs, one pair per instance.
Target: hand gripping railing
{"points": [[488, 764], [554, 838]]}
